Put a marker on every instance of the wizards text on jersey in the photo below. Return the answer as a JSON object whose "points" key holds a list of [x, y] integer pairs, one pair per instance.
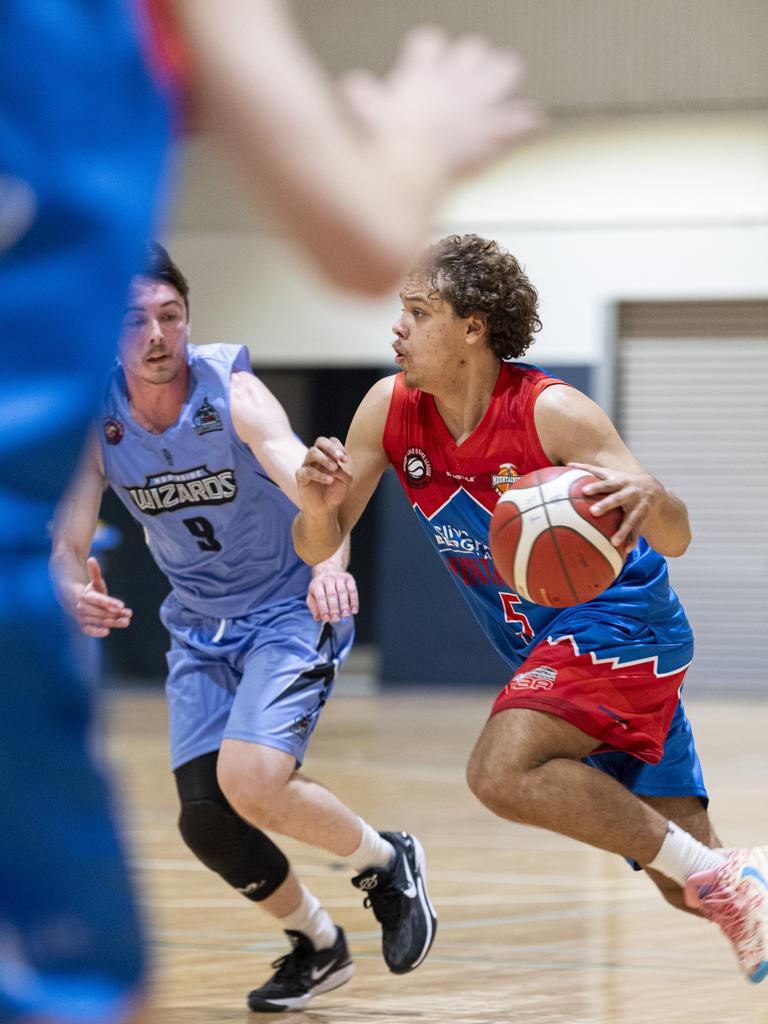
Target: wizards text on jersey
{"points": [[168, 492]]}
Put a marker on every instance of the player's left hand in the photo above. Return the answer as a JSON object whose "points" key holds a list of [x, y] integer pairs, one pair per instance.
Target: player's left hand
{"points": [[332, 596], [637, 494]]}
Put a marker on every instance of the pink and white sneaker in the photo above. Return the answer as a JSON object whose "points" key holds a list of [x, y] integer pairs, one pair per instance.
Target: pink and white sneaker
{"points": [[735, 896]]}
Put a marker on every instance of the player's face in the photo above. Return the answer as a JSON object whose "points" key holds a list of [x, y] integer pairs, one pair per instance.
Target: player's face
{"points": [[153, 342], [429, 338]]}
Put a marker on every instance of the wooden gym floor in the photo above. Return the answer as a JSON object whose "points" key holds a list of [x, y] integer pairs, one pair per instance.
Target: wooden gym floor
{"points": [[534, 929]]}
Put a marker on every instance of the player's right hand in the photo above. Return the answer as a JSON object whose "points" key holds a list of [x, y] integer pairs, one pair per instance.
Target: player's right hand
{"points": [[96, 612], [454, 100], [324, 475]]}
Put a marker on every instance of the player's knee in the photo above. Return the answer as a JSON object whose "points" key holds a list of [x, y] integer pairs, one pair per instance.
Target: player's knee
{"points": [[498, 791], [242, 855], [252, 790], [211, 831], [249, 799]]}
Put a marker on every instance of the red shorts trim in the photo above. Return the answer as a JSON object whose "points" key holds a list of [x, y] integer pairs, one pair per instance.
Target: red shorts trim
{"points": [[626, 707]]}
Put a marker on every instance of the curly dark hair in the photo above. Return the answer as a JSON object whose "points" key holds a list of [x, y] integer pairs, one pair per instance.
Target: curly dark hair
{"points": [[477, 276]]}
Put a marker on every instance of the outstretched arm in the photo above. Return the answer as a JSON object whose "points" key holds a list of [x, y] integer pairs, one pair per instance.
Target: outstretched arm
{"points": [[76, 576], [332, 594], [356, 178], [262, 423], [574, 431], [336, 481]]}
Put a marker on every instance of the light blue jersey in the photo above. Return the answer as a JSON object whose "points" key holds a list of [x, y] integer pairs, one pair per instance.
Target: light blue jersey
{"points": [[216, 524], [247, 661]]}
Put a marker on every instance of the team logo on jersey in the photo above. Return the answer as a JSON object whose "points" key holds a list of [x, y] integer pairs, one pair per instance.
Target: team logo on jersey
{"points": [[506, 476], [452, 538], [417, 467], [540, 678], [300, 726], [169, 492], [114, 431], [206, 419]]}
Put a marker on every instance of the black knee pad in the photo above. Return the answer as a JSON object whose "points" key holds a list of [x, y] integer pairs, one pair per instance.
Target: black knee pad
{"points": [[243, 856]]}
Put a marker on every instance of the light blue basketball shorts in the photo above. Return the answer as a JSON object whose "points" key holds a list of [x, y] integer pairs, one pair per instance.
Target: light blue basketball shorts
{"points": [[263, 678]]}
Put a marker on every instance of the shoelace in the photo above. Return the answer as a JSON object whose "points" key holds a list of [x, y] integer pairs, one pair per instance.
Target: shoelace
{"points": [[388, 906], [730, 911], [291, 965], [729, 915]]}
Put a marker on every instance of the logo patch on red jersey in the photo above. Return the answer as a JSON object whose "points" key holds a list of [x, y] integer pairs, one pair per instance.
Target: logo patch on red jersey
{"points": [[114, 431], [417, 467], [508, 473], [540, 678]]}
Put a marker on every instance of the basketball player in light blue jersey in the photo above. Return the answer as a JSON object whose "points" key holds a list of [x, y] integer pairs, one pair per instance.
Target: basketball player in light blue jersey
{"points": [[202, 455]]}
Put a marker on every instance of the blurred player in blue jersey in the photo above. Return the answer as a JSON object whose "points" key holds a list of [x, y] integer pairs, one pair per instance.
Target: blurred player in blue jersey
{"points": [[89, 90], [202, 455], [83, 136], [589, 738]]}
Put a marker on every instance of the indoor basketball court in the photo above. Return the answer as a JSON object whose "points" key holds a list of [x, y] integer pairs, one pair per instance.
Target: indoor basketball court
{"points": [[605, 269], [532, 927], [641, 217]]}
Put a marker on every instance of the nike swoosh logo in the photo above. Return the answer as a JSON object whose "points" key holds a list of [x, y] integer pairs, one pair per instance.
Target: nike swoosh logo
{"points": [[320, 972], [750, 872], [410, 891]]}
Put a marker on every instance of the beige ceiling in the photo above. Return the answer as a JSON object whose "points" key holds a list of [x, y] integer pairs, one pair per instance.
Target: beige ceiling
{"points": [[591, 56]]}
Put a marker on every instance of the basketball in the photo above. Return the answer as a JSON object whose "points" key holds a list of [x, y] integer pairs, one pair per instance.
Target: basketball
{"points": [[547, 545]]}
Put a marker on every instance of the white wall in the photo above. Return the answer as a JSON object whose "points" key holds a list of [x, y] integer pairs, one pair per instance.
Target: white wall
{"points": [[671, 206]]}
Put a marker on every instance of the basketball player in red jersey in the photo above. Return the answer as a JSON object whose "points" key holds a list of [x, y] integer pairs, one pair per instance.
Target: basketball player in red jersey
{"points": [[589, 737]]}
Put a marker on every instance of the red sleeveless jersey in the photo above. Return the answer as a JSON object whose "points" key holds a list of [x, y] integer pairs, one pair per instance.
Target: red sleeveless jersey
{"points": [[503, 446], [453, 489], [611, 666]]}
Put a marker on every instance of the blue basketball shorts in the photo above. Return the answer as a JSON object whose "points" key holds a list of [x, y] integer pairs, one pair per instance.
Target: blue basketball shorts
{"points": [[263, 677], [70, 939], [678, 773]]}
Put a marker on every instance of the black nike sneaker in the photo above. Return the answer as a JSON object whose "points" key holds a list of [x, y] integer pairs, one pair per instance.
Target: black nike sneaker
{"points": [[398, 896], [303, 973]]}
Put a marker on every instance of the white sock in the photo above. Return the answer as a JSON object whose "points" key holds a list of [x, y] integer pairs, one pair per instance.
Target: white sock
{"points": [[681, 856], [311, 920], [373, 851]]}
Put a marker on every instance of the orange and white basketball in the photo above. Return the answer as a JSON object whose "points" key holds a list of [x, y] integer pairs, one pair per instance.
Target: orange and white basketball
{"points": [[547, 545]]}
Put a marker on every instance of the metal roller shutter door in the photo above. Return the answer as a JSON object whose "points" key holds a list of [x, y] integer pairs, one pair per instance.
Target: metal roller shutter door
{"points": [[692, 404]]}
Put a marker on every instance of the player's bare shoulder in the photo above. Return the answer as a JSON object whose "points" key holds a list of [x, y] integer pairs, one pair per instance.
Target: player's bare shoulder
{"points": [[559, 400], [245, 387], [371, 415], [256, 413]]}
